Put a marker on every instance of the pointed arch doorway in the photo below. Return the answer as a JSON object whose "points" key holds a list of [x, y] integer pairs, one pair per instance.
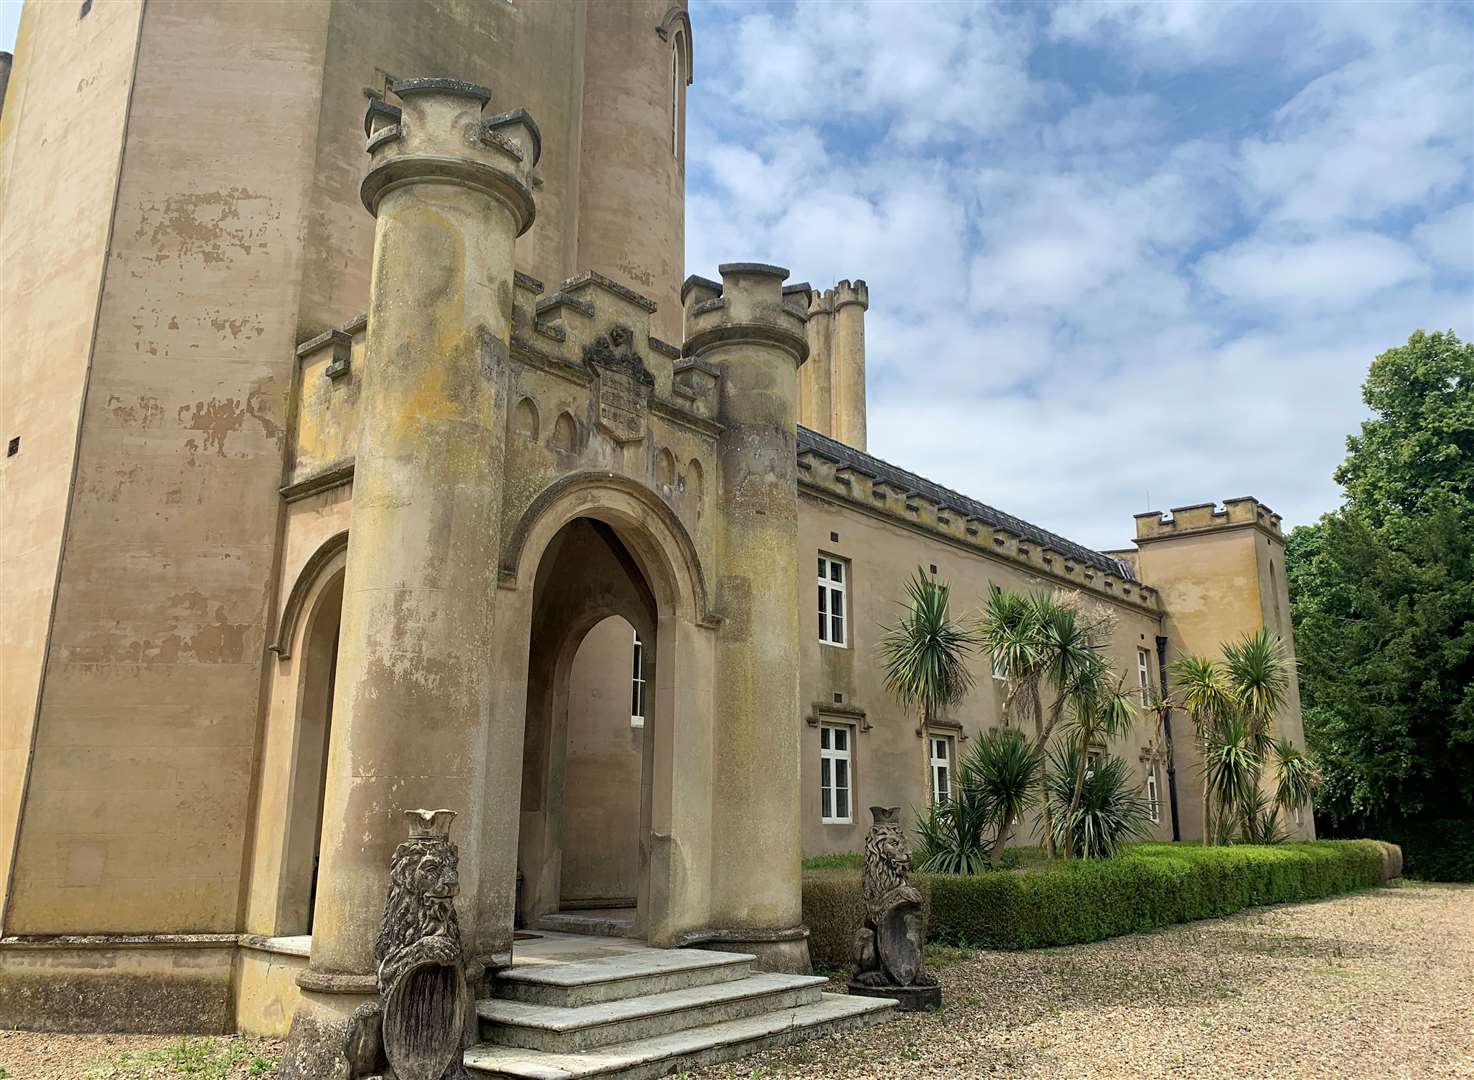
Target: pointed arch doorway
{"points": [[588, 754]]}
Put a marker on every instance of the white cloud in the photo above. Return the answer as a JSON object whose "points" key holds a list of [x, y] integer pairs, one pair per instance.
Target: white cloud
{"points": [[1447, 240], [1327, 271], [1112, 248]]}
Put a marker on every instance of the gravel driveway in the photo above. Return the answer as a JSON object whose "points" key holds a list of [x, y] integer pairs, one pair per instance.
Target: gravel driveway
{"points": [[1378, 984]]}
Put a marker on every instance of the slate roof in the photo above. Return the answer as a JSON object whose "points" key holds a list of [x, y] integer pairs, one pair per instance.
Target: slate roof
{"points": [[908, 481]]}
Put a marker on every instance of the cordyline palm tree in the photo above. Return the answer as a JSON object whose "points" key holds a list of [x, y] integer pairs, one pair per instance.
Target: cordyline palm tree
{"points": [[1204, 692], [926, 652], [1296, 777], [1098, 710], [1038, 640], [1000, 774], [1258, 671]]}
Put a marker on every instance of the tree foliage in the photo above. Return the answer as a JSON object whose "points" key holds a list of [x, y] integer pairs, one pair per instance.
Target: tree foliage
{"points": [[1382, 596]]}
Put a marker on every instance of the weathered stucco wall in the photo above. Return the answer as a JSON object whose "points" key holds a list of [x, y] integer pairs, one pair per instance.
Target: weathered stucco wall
{"points": [[67, 101], [147, 729], [530, 55], [890, 759], [632, 173]]}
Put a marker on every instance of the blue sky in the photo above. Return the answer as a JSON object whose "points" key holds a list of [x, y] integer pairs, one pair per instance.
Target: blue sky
{"points": [[1116, 251], [1121, 255]]}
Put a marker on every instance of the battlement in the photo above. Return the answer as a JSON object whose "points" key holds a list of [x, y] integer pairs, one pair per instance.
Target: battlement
{"points": [[840, 474], [847, 292], [438, 133], [1204, 517], [749, 303]]}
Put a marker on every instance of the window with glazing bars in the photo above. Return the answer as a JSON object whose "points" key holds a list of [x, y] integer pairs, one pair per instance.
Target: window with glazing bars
{"points": [[834, 774], [833, 584]]}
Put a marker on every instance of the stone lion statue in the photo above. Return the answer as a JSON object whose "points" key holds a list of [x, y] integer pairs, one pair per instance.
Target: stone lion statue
{"points": [[887, 948], [417, 1030]]}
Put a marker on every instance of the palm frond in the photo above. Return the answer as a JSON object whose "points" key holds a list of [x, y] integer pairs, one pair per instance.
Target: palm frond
{"points": [[926, 652]]}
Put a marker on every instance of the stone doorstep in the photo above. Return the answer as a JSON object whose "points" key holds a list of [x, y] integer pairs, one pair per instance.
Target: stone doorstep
{"points": [[553, 1029], [661, 1055], [619, 923], [588, 982]]}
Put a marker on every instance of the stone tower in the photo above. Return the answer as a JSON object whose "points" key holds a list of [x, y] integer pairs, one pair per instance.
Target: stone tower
{"points": [[182, 210], [1221, 575], [832, 383]]}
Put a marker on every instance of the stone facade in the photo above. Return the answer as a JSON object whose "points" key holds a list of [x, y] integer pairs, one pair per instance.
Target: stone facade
{"points": [[346, 483]]}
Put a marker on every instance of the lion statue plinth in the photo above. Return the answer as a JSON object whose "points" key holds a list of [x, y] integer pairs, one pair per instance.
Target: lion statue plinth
{"points": [[887, 948], [420, 1026]]}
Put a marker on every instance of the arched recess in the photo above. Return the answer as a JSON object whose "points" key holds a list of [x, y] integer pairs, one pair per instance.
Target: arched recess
{"points": [[525, 420], [565, 433], [663, 595], [294, 760]]}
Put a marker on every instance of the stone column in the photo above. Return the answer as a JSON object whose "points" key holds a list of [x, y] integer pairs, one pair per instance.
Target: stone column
{"points": [[757, 343], [851, 301], [451, 192]]}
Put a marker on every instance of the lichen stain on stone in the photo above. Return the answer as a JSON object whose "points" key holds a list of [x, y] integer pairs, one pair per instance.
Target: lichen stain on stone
{"points": [[217, 418], [206, 225]]}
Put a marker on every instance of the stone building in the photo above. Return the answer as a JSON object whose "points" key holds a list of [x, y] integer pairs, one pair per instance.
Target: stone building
{"points": [[342, 483]]}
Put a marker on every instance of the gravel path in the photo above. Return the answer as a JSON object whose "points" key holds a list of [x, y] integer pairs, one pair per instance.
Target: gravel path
{"points": [[1379, 984]]}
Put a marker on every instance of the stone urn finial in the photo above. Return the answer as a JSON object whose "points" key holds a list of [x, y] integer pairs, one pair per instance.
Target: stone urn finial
{"points": [[887, 948]]}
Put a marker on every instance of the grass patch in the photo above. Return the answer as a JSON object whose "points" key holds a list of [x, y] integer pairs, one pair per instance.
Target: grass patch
{"points": [[198, 1059], [838, 860]]}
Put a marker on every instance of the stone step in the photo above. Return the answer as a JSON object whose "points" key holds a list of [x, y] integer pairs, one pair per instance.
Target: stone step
{"points": [[661, 1055], [619, 922], [587, 1027], [613, 978]]}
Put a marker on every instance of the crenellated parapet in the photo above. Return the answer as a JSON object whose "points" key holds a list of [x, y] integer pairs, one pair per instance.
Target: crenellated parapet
{"points": [[875, 488], [1244, 512], [832, 386]]}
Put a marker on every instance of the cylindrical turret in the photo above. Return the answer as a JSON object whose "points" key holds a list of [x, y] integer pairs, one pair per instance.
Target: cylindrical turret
{"points": [[756, 341], [632, 169], [451, 191], [816, 400], [851, 301]]}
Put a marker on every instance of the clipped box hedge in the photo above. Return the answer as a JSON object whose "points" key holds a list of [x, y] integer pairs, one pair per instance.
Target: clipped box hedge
{"points": [[1066, 903]]}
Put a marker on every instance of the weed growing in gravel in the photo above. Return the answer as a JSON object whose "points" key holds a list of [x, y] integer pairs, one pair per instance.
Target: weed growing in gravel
{"points": [[205, 1059]]}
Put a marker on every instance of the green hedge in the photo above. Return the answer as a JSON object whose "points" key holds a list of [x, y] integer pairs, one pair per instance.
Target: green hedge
{"points": [[1436, 850], [1150, 886]]}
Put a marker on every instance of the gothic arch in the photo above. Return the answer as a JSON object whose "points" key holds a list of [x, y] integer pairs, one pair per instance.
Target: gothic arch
{"points": [[654, 534], [307, 580]]}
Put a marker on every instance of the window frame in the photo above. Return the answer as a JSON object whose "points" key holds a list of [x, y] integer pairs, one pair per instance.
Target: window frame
{"points": [[1153, 796], [829, 787], [639, 704], [830, 587], [1144, 673], [938, 767]]}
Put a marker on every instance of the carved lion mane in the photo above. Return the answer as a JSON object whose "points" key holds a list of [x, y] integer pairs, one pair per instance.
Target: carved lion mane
{"points": [[886, 864], [419, 907]]}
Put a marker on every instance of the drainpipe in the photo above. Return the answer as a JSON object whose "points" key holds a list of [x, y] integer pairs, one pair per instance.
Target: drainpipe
{"points": [[1167, 734]]}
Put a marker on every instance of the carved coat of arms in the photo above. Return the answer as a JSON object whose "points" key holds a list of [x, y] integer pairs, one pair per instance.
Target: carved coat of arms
{"points": [[622, 384]]}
